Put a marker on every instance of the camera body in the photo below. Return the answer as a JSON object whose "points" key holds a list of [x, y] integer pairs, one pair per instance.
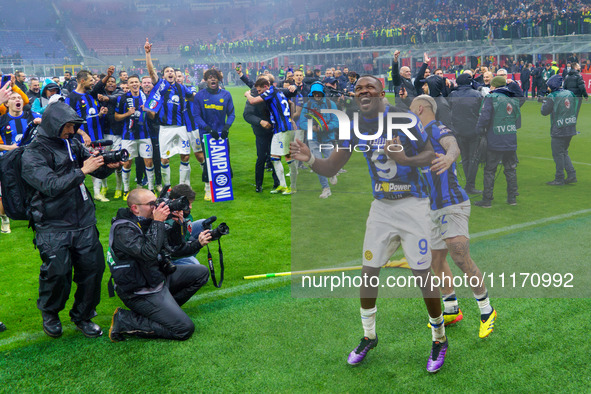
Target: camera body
{"points": [[178, 204], [219, 231]]}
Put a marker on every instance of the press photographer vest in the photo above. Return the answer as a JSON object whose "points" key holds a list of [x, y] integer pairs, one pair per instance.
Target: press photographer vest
{"points": [[506, 114], [565, 109]]}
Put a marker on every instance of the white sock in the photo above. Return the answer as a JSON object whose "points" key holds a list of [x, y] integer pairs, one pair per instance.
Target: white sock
{"points": [[119, 179], [207, 188], [293, 169], [4, 219], [185, 173], [483, 303], [368, 320], [96, 185], [151, 177], [125, 175], [165, 171], [279, 172], [450, 302], [437, 328]]}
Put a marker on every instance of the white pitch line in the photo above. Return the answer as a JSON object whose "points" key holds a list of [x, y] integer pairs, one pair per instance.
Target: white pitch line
{"points": [[550, 159], [528, 224]]}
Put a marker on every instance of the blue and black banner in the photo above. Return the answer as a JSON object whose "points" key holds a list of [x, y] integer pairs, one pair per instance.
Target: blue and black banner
{"points": [[218, 168]]}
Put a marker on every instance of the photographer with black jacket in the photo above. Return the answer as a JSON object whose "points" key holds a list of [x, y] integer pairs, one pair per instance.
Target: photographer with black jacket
{"points": [[63, 213], [137, 245]]}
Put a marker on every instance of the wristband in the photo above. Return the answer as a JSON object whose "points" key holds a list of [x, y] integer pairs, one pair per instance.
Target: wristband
{"points": [[312, 160]]}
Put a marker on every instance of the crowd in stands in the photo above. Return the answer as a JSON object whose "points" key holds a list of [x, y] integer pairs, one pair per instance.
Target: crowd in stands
{"points": [[385, 23]]}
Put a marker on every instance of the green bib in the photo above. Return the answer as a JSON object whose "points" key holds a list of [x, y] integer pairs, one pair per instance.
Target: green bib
{"points": [[565, 108], [506, 113]]}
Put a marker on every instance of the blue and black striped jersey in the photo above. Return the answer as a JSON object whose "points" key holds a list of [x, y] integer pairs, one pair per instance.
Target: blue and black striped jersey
{"points": [[13, 127], [173, 104], [134, 127], [190, 112], [445, 189], [279, 108], [389, 179], [88, 108]]}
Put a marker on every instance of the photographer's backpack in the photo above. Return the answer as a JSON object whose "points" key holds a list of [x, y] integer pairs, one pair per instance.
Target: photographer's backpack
{"points": [[16, 193]]}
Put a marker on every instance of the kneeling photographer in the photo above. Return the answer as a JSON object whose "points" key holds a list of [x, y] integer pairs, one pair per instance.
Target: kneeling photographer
{"points": [[145, 279]]}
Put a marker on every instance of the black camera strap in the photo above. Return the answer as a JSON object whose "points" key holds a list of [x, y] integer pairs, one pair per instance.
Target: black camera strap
{"points": [[211, 269]]}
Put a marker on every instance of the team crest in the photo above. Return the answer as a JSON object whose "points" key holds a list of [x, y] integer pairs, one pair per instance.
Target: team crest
{"points": [[83, 102], [509, 109], [567, 103], [153, 104], [221, 100], [368, 255]]}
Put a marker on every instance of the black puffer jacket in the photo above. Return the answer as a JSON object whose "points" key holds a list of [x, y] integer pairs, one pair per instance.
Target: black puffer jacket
{"points": [[52, 166], [465, 107], [575, 83], [436, 87]]}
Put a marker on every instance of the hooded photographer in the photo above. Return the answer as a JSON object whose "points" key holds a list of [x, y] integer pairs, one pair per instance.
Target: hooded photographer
{"points": [[63, 213]]}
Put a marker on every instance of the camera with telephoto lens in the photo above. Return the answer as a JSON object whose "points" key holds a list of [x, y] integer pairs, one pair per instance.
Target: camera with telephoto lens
{"points": [[115, 156], [110, 157], [216, 233]]}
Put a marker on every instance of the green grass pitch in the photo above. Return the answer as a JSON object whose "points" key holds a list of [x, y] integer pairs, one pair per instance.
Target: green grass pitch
{"points": [[267, 336]]}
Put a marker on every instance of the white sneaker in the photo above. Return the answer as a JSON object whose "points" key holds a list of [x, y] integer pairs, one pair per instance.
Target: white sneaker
{"points": [[333, 180], [5, 226], [325, 193], [101, 197]]}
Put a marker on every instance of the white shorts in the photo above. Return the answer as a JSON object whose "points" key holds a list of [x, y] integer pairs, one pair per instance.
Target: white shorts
{"points": [[174, 140], [394, 222], [142, 147], [449, 222], [116, 141], [299, 134], [280, 143], [195, 141]]}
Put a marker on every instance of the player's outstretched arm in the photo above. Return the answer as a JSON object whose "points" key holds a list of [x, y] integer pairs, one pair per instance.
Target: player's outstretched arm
{"points": [[151, 71], [327, 167]]}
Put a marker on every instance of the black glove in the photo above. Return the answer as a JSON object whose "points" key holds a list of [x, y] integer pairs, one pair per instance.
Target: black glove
{"points": [[215, 134], [225, 130], [208, 129]]}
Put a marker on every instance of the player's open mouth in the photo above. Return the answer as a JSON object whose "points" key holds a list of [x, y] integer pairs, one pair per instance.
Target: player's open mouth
{"points": [[365, 102], [18, 105]]}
